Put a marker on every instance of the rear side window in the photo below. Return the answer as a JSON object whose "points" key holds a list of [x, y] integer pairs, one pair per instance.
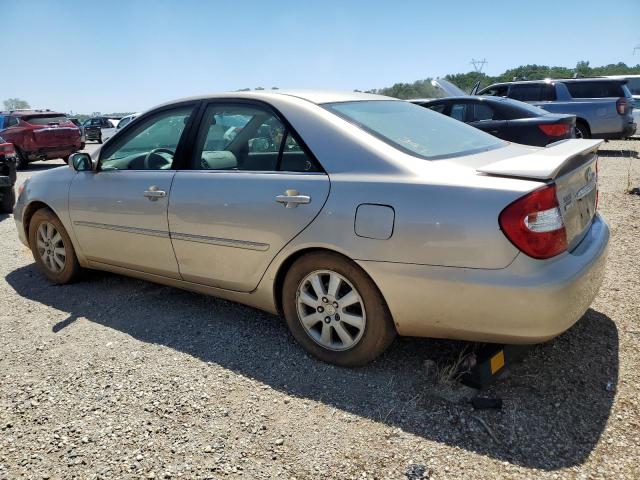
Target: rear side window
{"points": [[414, 129], [634, 85], [46, 120], [482, 111], [459, 111], [595, 89], [250, 138]]}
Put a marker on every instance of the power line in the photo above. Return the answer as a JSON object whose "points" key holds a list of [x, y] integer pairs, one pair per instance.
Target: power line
{"points": [[478, 65]]}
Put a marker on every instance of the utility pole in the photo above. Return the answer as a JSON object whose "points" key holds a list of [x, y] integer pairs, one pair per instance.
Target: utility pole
{"points": [[478, 65]]}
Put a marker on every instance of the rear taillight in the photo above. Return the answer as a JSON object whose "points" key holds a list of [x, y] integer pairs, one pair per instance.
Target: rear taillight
{"points": [[534, 224], [622, 105], [555, 129], [7, 149]]}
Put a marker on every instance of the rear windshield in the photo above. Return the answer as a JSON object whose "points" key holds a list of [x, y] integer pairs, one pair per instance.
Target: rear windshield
{"points": [[513, 109], [46, 120], [595, 89], [415, 129]]}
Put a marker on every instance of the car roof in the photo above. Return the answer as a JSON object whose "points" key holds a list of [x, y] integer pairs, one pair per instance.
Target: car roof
{"points": [[563, 80], [318, 97]]}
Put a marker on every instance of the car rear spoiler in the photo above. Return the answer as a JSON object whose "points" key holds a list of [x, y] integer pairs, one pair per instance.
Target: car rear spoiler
{"points": [[543, 164]]}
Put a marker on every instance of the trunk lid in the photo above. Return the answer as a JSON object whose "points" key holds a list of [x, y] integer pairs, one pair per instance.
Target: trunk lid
{"points": [[571, 165], [53, 130]]}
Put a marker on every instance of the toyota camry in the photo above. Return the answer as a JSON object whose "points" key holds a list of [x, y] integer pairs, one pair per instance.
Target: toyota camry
{"points": [[356, 217]]}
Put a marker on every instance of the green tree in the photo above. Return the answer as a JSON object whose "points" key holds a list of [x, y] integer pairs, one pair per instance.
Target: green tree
{"points": [[16, 104]]}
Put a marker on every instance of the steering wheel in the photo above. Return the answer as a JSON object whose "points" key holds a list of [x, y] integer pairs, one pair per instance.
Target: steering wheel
{"points": [[155, 151]]}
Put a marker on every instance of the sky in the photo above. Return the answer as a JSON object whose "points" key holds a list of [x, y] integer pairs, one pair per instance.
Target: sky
{"points": [[121, 56]]}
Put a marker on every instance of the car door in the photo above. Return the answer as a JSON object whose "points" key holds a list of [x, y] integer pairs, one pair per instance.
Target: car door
{"points": [[253, 186], [119, 211], [483, 116]]}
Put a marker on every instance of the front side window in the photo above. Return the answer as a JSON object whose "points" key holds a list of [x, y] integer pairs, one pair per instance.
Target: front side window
{"points": [[438, 107], [413, 129], [249, 138], [496, 91], [149, 146], [459, 111]]}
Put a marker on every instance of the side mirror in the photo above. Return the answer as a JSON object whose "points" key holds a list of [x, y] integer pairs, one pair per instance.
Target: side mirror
{"points": [[80, 162]]}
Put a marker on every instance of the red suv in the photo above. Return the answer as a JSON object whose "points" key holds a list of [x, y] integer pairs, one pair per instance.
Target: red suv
{"points": [[39, 135]]}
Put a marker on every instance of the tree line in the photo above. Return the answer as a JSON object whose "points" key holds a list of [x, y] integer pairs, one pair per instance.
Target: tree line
{"points": [[465, 81]]}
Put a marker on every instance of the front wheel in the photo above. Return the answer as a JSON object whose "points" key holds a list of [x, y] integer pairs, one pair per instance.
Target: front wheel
{"points": [[335, 311], [100, 138], [7, 199], [52, 248]]}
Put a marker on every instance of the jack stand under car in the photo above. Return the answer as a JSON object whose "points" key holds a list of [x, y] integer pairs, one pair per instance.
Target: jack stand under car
{"points": [[489, 362]]}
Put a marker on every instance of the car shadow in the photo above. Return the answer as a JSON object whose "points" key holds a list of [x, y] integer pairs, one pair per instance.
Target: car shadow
{"points": [[556, 405], [617, 153]]}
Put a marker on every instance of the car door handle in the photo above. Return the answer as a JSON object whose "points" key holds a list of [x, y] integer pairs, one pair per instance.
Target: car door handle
{"points": [[292, 198], [154, 193]]}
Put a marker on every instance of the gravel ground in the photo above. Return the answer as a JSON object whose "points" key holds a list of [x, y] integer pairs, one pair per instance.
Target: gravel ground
{"points": [[118, 378]]}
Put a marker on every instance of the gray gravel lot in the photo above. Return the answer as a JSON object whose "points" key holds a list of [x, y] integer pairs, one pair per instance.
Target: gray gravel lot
{"points": [[119, 378]]}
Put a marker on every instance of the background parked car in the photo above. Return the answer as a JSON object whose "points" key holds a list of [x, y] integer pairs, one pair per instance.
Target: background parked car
{"points": [[124, 121], [40, 135], [504, 118], [99, 129], [602, 106], [83, 137], [7, 176], [633, 84]]}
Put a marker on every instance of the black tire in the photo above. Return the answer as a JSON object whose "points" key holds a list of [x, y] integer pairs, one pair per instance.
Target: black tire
{"points": [[82, 145], [582, 130], [66, 159], [99, 138], [379, 330], [21, 160], [8, 200], [71, 268]]}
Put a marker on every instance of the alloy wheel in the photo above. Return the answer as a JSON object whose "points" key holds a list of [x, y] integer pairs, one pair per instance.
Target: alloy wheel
{"points": [[331, 310], [51, 247]]}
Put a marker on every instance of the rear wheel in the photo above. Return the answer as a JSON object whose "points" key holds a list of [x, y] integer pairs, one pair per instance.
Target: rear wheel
{"points": [[99, 138], [21, 160], [582, 130], [52, 248], [335, 311], [7, 199]]}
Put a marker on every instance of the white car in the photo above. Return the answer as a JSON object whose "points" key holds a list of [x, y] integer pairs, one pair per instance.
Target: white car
{"points": [[124, 121]]}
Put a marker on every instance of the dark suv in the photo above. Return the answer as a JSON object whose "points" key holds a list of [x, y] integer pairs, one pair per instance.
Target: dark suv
{"points": [[7, 176], [603, 106], [98, 129], [39, 135]]}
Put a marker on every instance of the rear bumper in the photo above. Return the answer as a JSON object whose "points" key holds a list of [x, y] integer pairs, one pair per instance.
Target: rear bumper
{"points": [[47, 153], [528, 302]]}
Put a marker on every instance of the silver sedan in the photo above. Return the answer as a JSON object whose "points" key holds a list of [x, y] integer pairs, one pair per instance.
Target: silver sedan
{"points": [[357, 217]]}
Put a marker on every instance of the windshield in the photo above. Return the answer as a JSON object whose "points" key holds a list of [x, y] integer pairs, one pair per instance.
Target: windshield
{"points": [[414, 129], [46, 120]]}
